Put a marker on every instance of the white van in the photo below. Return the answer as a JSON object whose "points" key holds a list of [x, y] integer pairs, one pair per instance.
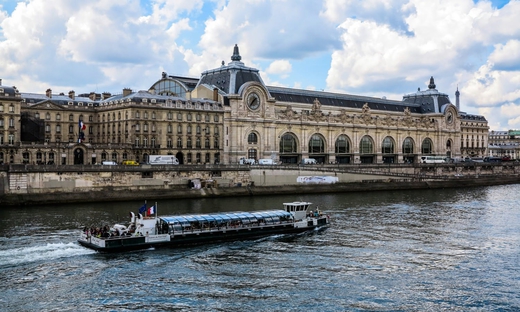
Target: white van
{"points": [[309, 161], [266, 161], [108, 163], [163, 160]]}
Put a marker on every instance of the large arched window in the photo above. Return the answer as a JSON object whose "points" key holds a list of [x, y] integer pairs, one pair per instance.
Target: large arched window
{"points": [[168, 86], [427, 146], [252, 138], [342, 145], [408, 146], [288, 144], [316, 144], [388, 146], [366, 145]]}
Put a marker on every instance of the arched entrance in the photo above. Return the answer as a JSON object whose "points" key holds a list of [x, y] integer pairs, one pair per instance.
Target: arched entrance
{"points": [[78, 157], [289, 149]]}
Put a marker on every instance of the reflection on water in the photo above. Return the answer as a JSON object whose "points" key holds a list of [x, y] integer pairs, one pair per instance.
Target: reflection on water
{"points": [[387, 251]]}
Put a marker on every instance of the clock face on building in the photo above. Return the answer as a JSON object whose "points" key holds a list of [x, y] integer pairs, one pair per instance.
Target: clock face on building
{"points": [[449, 118], [253, 101]]}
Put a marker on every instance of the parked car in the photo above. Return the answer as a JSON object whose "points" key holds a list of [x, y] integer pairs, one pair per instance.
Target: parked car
{"points": [[130, 163]]}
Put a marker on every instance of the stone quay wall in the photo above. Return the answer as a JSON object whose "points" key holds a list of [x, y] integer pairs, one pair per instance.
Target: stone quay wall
{"points": [[44, 184]]}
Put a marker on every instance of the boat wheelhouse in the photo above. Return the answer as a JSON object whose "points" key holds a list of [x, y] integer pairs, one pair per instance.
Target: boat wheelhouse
{"points": [[196, 229]]}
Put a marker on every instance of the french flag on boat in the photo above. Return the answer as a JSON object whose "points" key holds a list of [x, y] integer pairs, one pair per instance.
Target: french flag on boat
{"points": [[151, 210]]}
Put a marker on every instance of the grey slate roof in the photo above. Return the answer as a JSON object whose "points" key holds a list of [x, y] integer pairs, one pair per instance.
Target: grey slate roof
{"points": [[340, 100]]}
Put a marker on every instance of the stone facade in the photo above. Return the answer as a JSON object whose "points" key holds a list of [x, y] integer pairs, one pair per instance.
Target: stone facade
{"points": [[229, 114]]}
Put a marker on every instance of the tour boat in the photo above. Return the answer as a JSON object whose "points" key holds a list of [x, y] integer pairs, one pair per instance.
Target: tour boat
{"points": [[149, 231]]}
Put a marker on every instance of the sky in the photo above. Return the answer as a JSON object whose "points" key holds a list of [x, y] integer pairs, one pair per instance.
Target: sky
{"points": [[379, 48]]}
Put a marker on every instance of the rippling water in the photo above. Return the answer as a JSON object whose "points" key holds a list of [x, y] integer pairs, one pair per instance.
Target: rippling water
{"points": [[431, 250]]}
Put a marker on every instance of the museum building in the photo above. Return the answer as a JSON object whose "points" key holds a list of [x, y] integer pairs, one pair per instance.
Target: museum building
{"points": [[229, 114]]}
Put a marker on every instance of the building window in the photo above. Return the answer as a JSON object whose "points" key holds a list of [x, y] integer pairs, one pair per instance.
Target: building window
{"points": [[408, 146], [188, 156], [47, 116], [179, 142], [71, 117], [188, 142], [342, 145], [215, 118], [197, 143], [426, 147], [251, 154], [179, 116], [179, 129], [366, 146], [198, 117], [198, 129], [188, 129], [189, 117], [198, 158], [288, 144], [316, 144], [206, 143], [207, 160], [216, 143], [169, 143], [169, 128], [252, 138], [388, 146]]}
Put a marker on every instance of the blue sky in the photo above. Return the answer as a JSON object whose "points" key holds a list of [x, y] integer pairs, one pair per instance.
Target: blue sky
{"points": [[366, 47]]}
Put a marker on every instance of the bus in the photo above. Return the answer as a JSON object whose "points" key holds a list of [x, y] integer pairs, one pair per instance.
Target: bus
{"points": [[433, 159]]}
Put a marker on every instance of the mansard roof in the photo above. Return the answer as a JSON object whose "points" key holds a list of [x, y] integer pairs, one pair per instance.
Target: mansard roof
{"points": [[141, 95], [430, 101], [469, 117], [229, 78], [59, 99], [341, 100]]}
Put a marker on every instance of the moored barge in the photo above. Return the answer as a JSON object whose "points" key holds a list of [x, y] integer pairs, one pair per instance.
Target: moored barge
{"points": [[145, 232]]}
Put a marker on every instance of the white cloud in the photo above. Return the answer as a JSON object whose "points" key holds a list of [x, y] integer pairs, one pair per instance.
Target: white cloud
{"points": [[506, 56], [280, 67], [64, 44]]}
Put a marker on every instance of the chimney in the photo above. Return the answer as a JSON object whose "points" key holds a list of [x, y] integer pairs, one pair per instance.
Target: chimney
{"points": [[92, 96], [215, 94], [127, 91], [106, 95], [48, 93], [72, 94]]}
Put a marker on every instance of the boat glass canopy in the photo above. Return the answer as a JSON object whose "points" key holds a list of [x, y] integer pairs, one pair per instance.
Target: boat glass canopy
{"points": [[244, 217]]}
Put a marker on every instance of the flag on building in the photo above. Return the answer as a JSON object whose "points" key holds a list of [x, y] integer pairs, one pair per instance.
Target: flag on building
{"points": [[82, 125], [151, 210]]}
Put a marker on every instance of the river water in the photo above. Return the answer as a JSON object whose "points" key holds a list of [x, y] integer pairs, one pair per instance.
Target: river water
{"points": [[428, 250]]}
